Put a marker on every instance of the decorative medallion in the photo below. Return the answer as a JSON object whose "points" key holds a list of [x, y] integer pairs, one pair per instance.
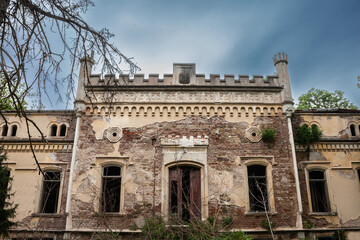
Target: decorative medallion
{"points": [[253, 134], [184, 78], [114, 134]]}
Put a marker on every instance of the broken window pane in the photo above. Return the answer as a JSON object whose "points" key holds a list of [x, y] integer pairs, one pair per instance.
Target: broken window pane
{"points": [[111, 189], [318, 191], [257, 181], [50, 195]]}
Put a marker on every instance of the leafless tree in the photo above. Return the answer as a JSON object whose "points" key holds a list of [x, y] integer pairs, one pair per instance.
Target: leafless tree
{"points": [[37, 37]]}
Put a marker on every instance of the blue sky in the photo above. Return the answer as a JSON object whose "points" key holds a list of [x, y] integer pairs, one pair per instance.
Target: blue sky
{"points": [[321, 38]]}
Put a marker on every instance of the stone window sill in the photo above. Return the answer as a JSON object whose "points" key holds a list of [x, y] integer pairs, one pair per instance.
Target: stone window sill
{"points": [[323, 214], [46, 215], [259, 213], [109, 214]]}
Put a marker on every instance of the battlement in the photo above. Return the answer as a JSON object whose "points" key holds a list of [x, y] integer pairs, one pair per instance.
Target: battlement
{"points": [[280, 58], [169, 79]]}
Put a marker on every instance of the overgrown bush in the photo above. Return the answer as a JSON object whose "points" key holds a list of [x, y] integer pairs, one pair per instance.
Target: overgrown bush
{"points": [[308, 224], [339, 235], [156, 229], [268, 135], [267, 225], [306, 135]]}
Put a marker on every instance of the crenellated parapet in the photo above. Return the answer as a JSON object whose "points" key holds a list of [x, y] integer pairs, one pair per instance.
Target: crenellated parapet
{"points": [[168, 80]]}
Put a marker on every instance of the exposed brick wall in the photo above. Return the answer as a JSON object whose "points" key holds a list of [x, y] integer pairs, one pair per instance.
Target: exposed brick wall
{"points": [[146, 154]]}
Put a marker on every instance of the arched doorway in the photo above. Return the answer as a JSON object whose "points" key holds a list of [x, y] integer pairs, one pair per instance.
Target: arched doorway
{"points": [[185, 192]]}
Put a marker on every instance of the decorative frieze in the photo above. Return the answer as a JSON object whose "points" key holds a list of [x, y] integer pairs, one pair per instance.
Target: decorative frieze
{"points": [[146, 110], [38, 147], [190, 97], [331, 147]]}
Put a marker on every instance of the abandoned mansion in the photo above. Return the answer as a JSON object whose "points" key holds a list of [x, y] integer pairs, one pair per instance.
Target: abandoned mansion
{"points": [[184, 147]]}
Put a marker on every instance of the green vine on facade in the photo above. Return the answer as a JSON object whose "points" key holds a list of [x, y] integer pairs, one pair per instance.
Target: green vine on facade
{"points": [[306, 135]]}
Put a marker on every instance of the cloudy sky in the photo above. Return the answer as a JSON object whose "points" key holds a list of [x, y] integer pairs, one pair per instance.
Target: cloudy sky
{"points": [[321, 38]]}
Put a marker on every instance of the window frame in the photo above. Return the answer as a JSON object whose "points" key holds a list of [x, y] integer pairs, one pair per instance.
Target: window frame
{"points": [[100, 163], [327, 189], [59, 194], [102, 204], [261, 161]]}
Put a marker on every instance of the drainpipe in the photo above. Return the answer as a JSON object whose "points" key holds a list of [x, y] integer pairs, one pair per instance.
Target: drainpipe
{"points": [[72, 166], [79, 108], [288, 112]]}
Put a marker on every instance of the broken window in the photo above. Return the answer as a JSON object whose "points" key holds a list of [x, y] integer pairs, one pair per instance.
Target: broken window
{"points": [[185, 192], [13, 130], [352, 130], [111, 189], [62, 130], [50, 193], [258, 196], [4, 131], [318, 191], [53, 130]]}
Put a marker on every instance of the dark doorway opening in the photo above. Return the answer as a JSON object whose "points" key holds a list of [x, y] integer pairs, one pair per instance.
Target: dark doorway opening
{"points": [[185, 192]]}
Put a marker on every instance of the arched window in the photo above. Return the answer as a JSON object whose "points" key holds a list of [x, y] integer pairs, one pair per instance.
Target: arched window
{"points": [[50, 192], [62, 130], [4, 131], [13, 130], [111, 189], [258, 196], [53, 130], [318, 191], [352, 130]]}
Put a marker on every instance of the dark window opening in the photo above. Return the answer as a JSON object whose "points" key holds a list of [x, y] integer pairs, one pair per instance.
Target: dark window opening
{"points": [[4, 131], [53, 130], [258, 195], [185, 193], [352, 130], [111, 189], [62, 130], [318, 191], [358, 172], [13, 130], [51, 189]]}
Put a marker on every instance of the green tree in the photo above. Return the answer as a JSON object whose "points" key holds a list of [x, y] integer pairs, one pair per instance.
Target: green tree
{"points": [[6, 101], [322, 99], [7, 208]]}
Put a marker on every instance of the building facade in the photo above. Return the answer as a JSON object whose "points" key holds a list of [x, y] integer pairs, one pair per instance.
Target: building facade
{"points": [[184, 147]]}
